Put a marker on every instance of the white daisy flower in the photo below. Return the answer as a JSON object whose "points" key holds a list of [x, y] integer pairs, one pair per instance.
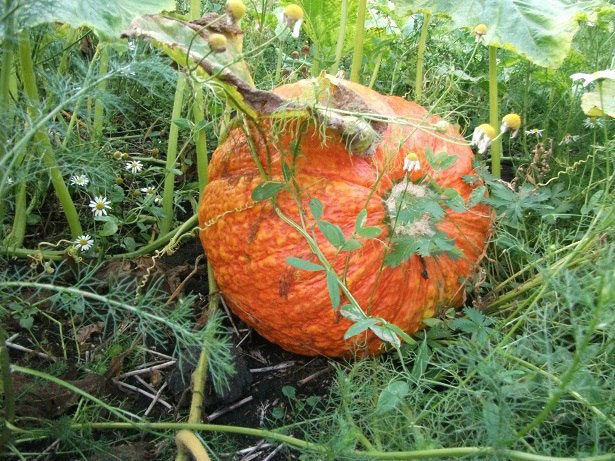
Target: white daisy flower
{"points": [[100, 205], [569, 139], [158, 200], [134, 166], [412, 163], [79, 180], [482, 137], [149, 190], [534, 132], [592, 123], [84, 242]]}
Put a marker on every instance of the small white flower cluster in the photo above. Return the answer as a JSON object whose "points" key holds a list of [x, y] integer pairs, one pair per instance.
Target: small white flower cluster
{"points": [[79, 180], [134, 166]]}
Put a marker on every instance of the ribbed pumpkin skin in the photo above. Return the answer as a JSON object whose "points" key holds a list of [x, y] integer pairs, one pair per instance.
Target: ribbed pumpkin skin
{"points": [[290, 307]]}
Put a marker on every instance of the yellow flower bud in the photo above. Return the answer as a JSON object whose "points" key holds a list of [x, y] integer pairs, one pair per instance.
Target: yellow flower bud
{"points": [[236, 8], [481, 29], [512, 121], [217, 42], [294, 12]]}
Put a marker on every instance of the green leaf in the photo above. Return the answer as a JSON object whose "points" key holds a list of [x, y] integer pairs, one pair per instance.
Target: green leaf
{"points": [[289, 391], [332, 233], [476, 196], [420, 362], [334, 289], [352, 313], [108, 18], [360, 327], [440, 161], [386, 334], [182, 123], [541, 32], [304, 265], [402, 250], [316, 207], [351, 245], [266, 190], [369, 232], [110, 225], [361, 218], [392, 396]]}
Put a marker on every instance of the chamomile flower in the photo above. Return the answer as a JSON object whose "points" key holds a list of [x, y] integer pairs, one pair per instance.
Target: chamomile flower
{"points": [[134, 166], [534, 132], [479, 32], [236, 9], [158, 199], [412, 163], [79, 180], [292, 16], [511, 122], [217, 43], [149, 190], [569, 139], [84, 242], [100, 205], [482, 137], [592, 122], [10, 181]]}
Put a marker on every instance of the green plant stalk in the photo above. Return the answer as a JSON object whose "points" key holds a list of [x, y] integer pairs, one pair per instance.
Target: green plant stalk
{"points": [[169, 178], [8, 52], [42, 139], [18, 231], [341, 35], [99, 108], [278, 62], [376, 70], [420, 57], [357, 55], [75, 114], [200, 138], [441, 453], [7, 391], [494, 116]]}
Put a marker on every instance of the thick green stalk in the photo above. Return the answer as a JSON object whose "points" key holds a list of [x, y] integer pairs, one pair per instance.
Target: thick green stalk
{"points": [[42, 139], [169, 178], [494, 115], [420, 57], [341, 35], [18, 231], [278, 63], [357, 55], [99, 108], [8, 51], [7, 391]]}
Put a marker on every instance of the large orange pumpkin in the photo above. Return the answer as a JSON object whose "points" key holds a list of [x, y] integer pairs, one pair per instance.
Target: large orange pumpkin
{"points": [[247, 243]]}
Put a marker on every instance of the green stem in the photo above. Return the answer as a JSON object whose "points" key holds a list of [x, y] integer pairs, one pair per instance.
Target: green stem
{"points": [[420, 56], [357, 55], [18, 231], [341, 35], [376, 69], [200, 137], [169, 179], [8, 52], [494, 116], [75, 114], [42, 139], [99, 108], [440, 453], [278, 63], [7, 391]]}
